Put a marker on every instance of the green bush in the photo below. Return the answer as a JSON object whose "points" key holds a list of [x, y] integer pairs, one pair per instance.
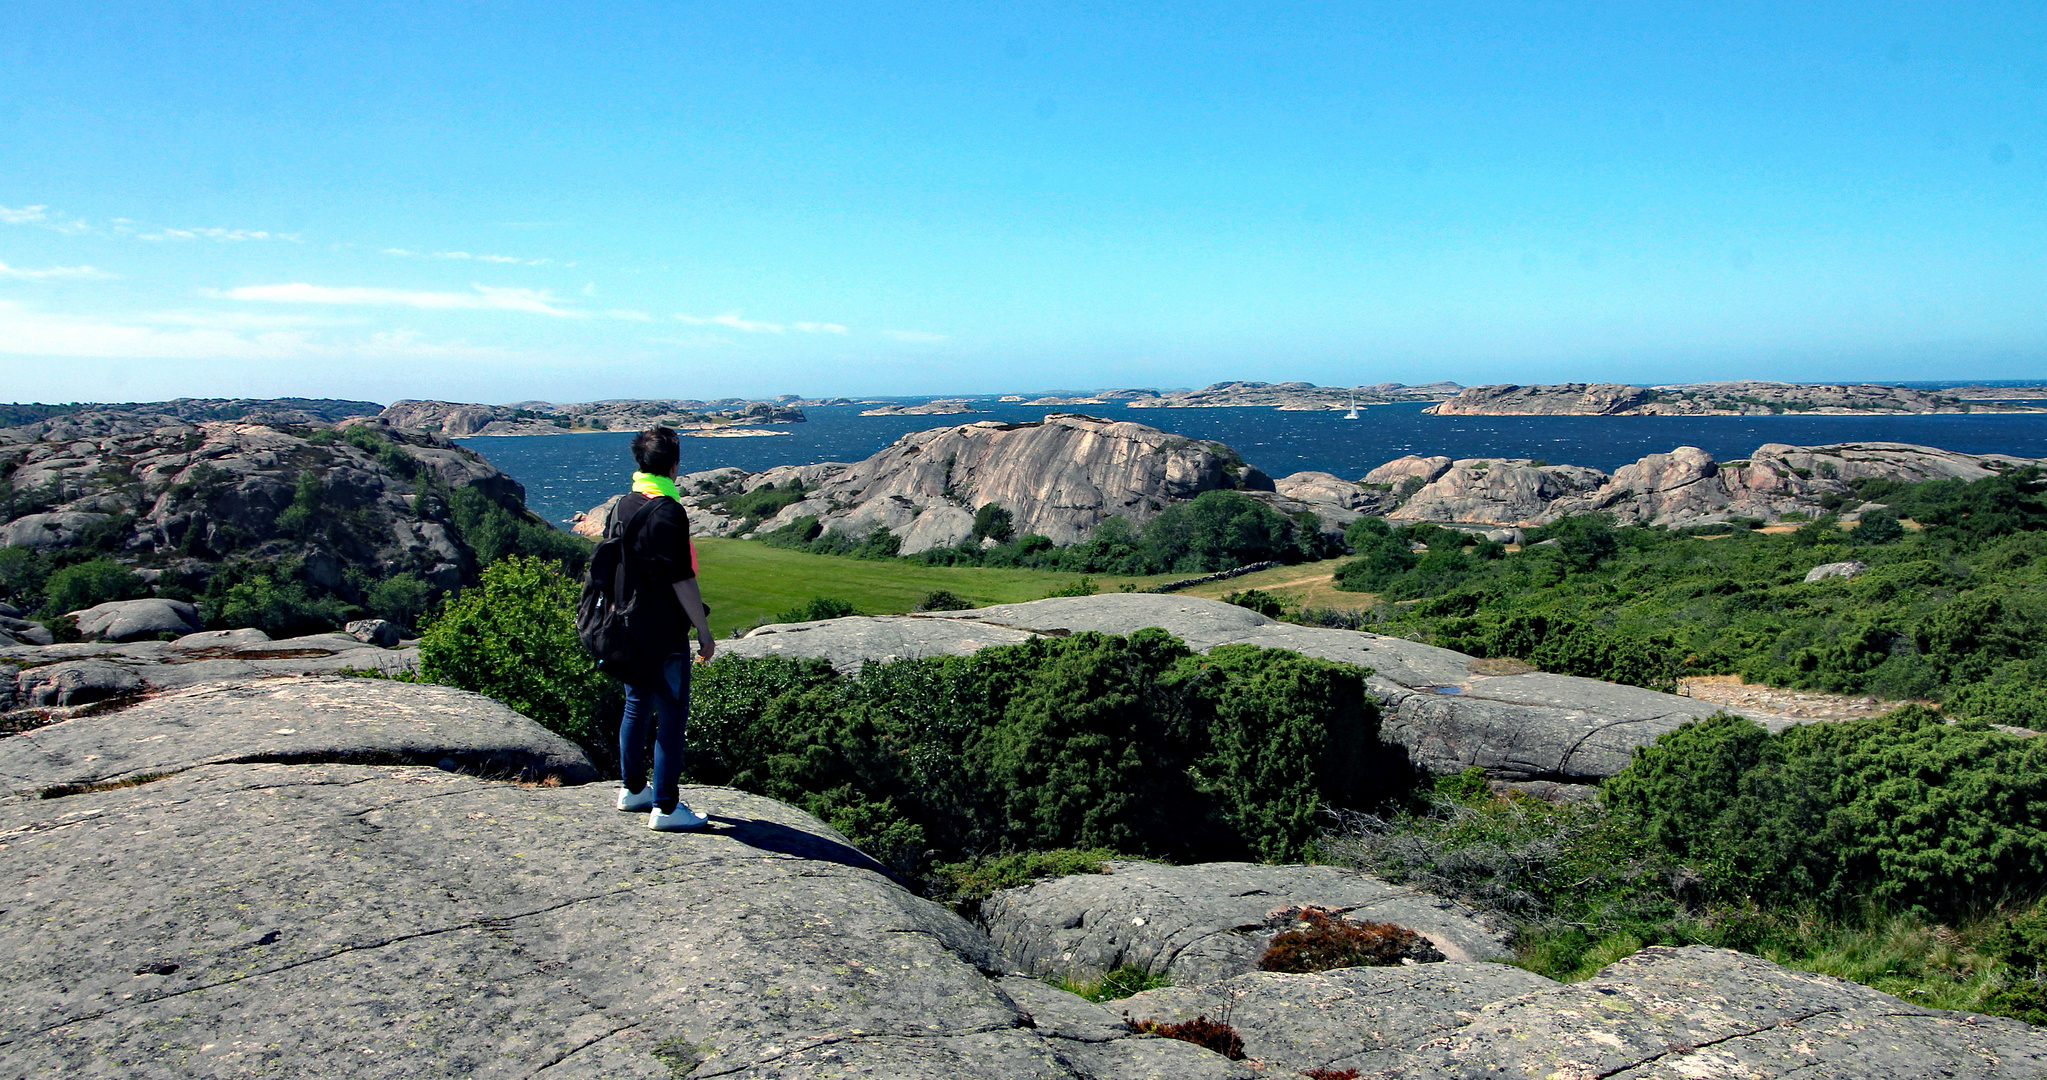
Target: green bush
{"points": [[994, 522], [1904, 810], [400, 598], [1270, 605], [271, 597], [23, 570], [513, 637], [943, 600], [1090, 741], [82, 585], [978, 879], [817, 609]]}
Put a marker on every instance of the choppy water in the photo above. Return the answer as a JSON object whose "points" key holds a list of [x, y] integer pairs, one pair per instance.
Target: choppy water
{"points": [[567, 473]]}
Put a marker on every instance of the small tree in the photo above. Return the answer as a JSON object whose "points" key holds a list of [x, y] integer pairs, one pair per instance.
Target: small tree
{"points": [[994, 522]]}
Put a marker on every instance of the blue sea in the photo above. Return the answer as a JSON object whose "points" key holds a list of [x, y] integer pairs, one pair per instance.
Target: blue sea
{"points": [[567, 473]]}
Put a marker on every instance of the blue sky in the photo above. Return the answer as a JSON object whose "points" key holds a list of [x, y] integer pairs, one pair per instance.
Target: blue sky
{"points": [[511, 201]]}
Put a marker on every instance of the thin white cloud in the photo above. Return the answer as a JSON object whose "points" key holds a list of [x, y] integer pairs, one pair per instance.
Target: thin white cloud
{"points": [[590, 288], [245, 320], [732, 320], [24, 332], [23, 274], [820, 328], [22, 215], [628, 315], [230, 236], [465, 256], [485, 298], [915, 335]]}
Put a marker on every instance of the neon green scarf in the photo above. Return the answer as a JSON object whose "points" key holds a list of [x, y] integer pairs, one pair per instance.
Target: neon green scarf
{"points": [[646, 483]]}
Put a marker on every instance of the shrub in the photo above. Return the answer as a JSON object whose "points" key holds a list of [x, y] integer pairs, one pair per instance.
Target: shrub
{"points": [[1906, 810], [1089, 741], [981, 878], [513, 637], [82, 585], [817, 609], [23, 570], [401, 598], [1215, 1035], [1083, 587], [273, 598], [994, 522], [943, 600], [1270, 605], [1320, 939]]}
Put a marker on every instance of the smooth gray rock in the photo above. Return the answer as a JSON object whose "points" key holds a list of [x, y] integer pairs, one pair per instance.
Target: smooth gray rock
{"points": [[218, 655], [9, 611], [1532, 726], [378, 632], [1368, 1018], [1835, 570], [313, 719], [1203, 922], [371, 922], [1668, 1013], [135, 620], [74, 682]]}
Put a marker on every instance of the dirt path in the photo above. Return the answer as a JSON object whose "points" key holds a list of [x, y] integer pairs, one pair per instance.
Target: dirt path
{"points": [[1730, 691], [1306, 585]]}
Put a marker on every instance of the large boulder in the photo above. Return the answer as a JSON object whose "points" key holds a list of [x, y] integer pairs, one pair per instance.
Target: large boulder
{"points": [[1059, 477], [1411, 467], [1200, 923], [134, 620], [313, 719], [1847, 569], [1497, 491], [73, 682], [328, 920]]}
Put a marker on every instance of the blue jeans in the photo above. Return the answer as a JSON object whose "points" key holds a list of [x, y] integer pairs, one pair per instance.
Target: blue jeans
{"points": [[664, 692]]}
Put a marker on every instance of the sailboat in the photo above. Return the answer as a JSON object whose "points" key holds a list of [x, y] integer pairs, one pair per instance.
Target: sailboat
{"points": [[1353, 413]]}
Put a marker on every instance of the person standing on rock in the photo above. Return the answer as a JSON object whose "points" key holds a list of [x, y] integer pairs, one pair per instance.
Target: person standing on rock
{"points": [[666, 606]]}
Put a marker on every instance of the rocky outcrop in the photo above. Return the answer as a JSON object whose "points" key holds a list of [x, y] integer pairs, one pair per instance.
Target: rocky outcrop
{"points": [[136, 620], [1289, 396], [952, 407], [461, 419], [1710, 399], [1202, 923], [1497, 491], [1682, 488], [1847, 569], [1436, 704], [1059, 478], [176, 499]]}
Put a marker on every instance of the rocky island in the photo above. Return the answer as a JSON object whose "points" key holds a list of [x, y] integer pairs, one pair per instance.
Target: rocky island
{"points": [[1744, 398], [458, 420]]}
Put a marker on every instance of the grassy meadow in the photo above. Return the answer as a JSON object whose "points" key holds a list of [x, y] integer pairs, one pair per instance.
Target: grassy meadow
{"points": [[746, 582]]}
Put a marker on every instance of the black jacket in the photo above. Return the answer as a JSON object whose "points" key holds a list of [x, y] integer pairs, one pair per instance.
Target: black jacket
{"points": [[658, 556]]}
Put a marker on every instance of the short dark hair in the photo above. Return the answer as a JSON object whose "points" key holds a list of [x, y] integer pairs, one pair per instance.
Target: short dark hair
{"points": [[657, 450]]}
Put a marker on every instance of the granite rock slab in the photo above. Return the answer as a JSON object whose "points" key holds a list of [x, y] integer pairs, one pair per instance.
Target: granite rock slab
{"points": [[310, 719], [1666, 1014], [1202, 922], [365, 921]]}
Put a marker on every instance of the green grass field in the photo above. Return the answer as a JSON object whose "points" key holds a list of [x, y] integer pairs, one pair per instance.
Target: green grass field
{"points": [[746, 581]]}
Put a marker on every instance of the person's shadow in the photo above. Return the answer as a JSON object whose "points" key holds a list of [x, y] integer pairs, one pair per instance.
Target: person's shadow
{"points": [[783, 840]]}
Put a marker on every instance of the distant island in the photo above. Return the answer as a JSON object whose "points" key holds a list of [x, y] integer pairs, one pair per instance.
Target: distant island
{"points": [[1742, 398], [461, 419]]}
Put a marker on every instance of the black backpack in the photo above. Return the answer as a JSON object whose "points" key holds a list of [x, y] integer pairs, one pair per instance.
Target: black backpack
{"points": [[604, 612]]}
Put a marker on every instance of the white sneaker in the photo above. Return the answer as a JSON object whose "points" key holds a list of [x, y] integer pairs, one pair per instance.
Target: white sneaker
{"points": [[636, 800], [682, 820]]}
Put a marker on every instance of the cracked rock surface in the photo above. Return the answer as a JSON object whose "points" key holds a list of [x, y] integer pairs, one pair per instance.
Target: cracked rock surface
{"points": [[1200, 923], [308, 719], [364, 921], [1665, 1014], [1530, 726]]}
